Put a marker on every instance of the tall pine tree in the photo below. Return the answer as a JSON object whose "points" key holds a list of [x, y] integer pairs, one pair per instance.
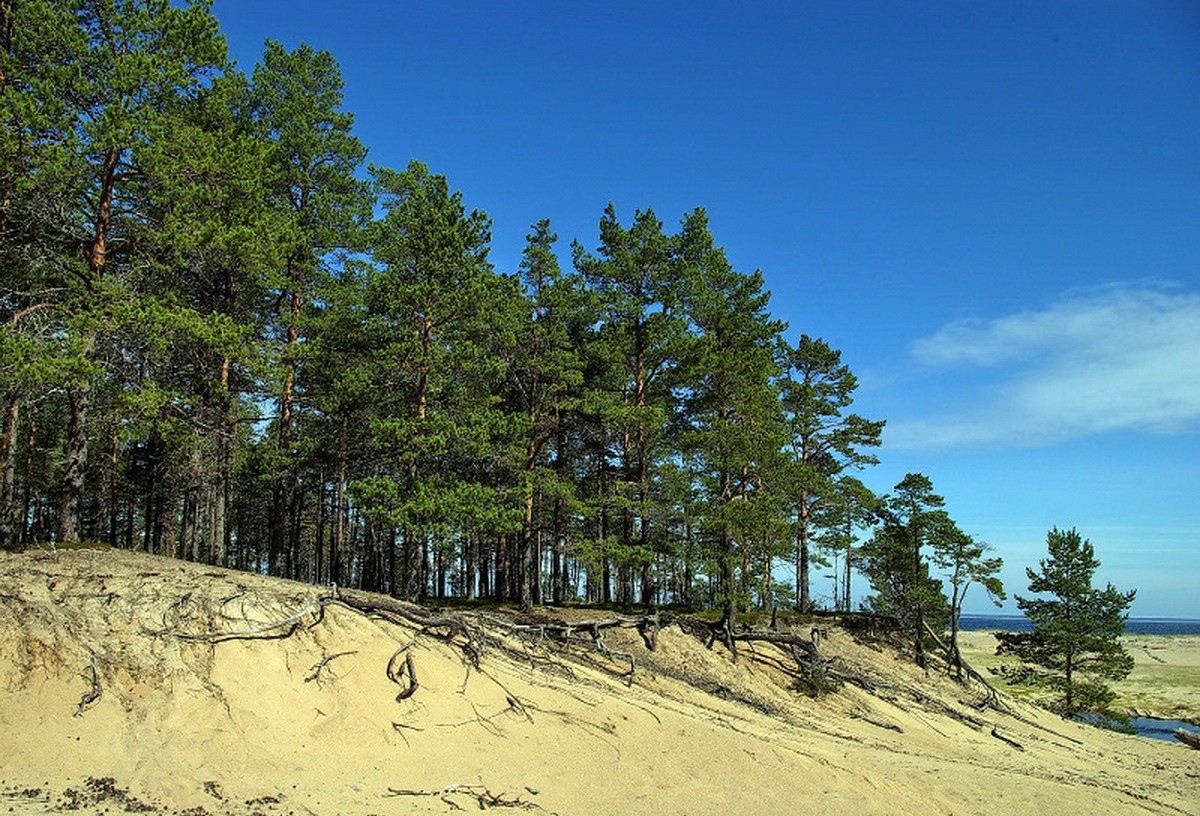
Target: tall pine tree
{"points": [[825, 440]]}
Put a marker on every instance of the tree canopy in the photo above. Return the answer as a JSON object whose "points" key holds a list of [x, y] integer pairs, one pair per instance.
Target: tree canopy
{"points": [[1075, 643], [225, 337]]}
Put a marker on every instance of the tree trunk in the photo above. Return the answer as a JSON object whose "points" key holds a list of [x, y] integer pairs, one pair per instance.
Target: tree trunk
{"points": [[282, 495], [525, 565], [190, 533], [918, 576], [849, 563], [557, 578], [470, 552], [29, 521], [1069, 671], [70, 500], [558, 568], [606, 572], [502, 568], [393, 541], [538, 552], [337, 545], [319, 566], [803, 590], [221, 493], [9, 534]]}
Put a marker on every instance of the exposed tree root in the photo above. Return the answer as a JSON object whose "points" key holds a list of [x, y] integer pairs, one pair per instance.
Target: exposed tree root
{"points": [[315, 671], [551, 642], [954, 659], [483, 797], [1007, 740], [94, 693], [405, 676]]}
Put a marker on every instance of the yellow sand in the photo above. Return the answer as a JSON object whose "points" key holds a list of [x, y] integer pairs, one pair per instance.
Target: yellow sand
{"points": [[246, 726]]}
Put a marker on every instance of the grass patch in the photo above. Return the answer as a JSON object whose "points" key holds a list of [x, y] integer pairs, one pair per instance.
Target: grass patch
{"points": [[1165, 680]]}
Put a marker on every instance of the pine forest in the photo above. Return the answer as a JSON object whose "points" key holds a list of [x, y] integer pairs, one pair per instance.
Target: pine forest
{"points": [[228, 338]]}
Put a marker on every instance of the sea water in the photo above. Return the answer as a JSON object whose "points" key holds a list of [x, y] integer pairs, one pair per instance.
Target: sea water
{"points": [[1133, 626]]}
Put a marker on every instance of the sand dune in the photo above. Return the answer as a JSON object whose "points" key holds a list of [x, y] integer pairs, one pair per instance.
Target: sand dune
{"points": [[129, 682]]}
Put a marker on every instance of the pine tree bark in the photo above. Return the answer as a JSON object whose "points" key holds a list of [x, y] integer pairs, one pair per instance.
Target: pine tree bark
{"points": [[70, 500], [9, 534], [803, 590], [527, 547]]}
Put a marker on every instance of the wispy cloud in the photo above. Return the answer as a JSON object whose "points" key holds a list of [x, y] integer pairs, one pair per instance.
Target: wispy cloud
{"points": [[1110, 359]]}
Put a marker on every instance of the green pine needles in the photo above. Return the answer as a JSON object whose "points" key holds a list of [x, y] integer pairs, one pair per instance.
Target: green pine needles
{"points": [[1075, 643]]}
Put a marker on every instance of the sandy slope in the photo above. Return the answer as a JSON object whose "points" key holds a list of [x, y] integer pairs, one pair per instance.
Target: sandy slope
{"points": [[245, 726]]}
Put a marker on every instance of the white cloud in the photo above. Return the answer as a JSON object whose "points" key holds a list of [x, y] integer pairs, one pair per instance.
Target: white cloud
{"points": [[1117, 358]]}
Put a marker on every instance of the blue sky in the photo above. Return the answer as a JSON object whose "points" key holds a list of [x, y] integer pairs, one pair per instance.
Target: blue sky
{"points": [[991, 208]]}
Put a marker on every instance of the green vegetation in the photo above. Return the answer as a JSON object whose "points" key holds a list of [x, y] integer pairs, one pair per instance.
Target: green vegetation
{"points": [[224, 338], [1076, 639], [1162, 683]]}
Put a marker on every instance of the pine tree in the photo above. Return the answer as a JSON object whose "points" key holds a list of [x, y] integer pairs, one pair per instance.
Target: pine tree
{"points": [[1075, 643], [320, 207], [543, 379], [850, 505], [436, 314], [825, 441], [209, 275], [896, 563], [966, 562], [734, 429], [106, 79], [634, 354]]}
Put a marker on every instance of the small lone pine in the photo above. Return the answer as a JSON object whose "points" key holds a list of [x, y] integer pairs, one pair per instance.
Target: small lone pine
{"points": [[1075, 643]]}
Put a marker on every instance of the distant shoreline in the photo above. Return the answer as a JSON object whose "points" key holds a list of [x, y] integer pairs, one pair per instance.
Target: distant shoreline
{"points": [[1134, 626]]}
